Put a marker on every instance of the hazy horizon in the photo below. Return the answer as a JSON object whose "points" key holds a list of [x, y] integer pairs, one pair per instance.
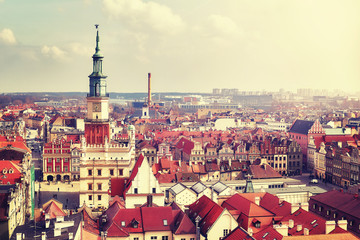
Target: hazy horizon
{"points": [[188, 46]]}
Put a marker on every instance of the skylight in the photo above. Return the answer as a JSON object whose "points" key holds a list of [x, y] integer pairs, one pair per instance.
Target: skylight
{"points": [[313, 222], [165, 222]]}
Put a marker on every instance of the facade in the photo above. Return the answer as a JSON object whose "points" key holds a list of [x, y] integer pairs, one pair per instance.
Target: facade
{"points": [[101, 157], [57, 161], [295, 158]]}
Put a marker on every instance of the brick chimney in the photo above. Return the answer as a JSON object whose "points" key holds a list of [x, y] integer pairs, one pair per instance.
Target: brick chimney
{"points": [[329, 226]]}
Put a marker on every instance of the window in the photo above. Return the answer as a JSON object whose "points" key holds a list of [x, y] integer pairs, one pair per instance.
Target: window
{"points": [[90, 186], [66, 160], [123, 223], [164, 238], [135, 190], [57, 168], [153, 237], [165, 222], [192, 238], [226, 232], [90, 197], [328, 212], [58, 160], [136, 238], [99, 172], [49, 169], [99, 197], [111, 172], [89, 172], [120, 172], [49, 160], [65, 169], [314, 206], [153, 190], [99, 186]]}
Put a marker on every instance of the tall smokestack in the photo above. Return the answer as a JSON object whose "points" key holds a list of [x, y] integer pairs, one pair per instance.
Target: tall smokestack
{"points": [[149, 89]]}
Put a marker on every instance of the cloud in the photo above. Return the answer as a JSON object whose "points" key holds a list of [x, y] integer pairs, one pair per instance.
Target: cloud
{"points": [[80, 49], [145, 15], [7, 37], [224, 25], [53, 52]]}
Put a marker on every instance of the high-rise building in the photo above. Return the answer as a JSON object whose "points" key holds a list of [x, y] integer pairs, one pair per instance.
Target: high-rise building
{"points": [[102, 157]]}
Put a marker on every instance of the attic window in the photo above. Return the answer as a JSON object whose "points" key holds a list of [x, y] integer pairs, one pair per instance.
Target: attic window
{"points": [[165, 222], [11, 170], [123, 223]]}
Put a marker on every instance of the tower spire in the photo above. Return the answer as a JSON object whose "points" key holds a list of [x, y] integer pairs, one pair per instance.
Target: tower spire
{"points": [[97, 49]]}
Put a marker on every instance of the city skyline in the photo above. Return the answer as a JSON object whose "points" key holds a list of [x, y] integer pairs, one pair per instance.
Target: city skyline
{"points": [[187, 47]]}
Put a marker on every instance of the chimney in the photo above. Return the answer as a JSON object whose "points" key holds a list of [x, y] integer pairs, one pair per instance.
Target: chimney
{"points": [[250, 231], [197, 220], [149, 200], [257, 200], [57, 232], [305, 206], [298, 227], [43, 236], [294, 207], [19, 236], [149, 89], [59, 218], [291, 223], [342, 224], [329, 226], [306, 231], [47, 223]]}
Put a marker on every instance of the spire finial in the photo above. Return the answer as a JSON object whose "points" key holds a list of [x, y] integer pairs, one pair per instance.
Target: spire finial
{"points": [[97, 49]]}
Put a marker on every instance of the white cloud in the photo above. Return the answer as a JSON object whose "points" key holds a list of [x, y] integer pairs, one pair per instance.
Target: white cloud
{"points": [[224, 25], [7, 36], [80, 49], [145, 15], [53, 52]]}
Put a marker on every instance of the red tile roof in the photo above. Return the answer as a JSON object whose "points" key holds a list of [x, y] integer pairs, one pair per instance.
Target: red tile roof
{"points": [[134, 172], [263, 171], [208, 210], [237, 234]]}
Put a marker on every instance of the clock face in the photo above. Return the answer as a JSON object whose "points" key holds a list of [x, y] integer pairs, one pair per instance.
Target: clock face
{"points": [[96, 107]]}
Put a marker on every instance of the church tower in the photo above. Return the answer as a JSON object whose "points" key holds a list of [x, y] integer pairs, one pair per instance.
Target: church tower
{"points": [[97, 121]]}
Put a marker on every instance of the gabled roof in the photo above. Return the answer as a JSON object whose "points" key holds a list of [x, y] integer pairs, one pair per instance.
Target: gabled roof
{"points": [[134, 172], [237, 234], [177, 188], [219, 187], [54, 210], [309, 220], [301, 126], [198, 187], [183, 224], [245, 206], [208, 211], [268, 233], [263, 171], [185, 145], [345, 202], [153, 218]]}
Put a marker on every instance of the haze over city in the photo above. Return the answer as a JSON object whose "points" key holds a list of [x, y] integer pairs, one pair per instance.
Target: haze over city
{"points": [[187, 45]]}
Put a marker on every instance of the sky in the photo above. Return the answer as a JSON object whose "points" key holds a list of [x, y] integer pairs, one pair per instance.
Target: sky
{"points": [[187, 45]]}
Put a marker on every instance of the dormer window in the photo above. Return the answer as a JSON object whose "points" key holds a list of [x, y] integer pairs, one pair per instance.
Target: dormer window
{"points": [[165, 222], [134, 223]]}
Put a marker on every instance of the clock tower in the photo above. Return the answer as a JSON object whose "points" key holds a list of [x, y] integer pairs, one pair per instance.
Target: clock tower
{"points": [[97, 127]]}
